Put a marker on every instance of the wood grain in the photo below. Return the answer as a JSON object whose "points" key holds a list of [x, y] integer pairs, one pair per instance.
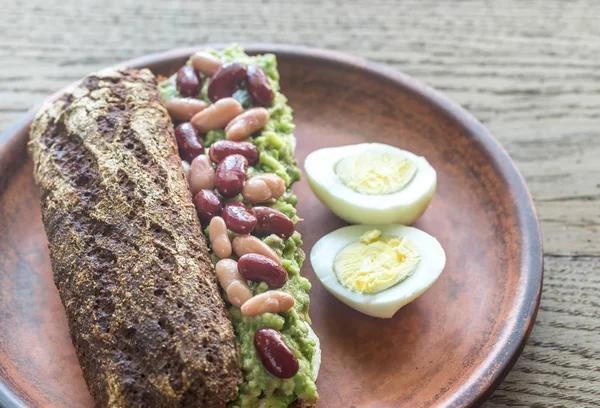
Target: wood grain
{"points": [[528, 71]]}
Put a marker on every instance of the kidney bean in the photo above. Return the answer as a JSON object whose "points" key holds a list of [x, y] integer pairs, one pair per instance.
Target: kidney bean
{"points": [[270, 221], [258, 86], [188, 82], [247, 244], [183, 109], [226, 80], [186, 170], [219, 238], [188, 142], [263, 188], [208, 205], [230, 176], [238, 219], [256, 191], [217, 115], [275, 355], [223, 148], [262, 269], [244, 125], [206, 63], [271, 301], [201, 175], [276, 184], [235, 286]]}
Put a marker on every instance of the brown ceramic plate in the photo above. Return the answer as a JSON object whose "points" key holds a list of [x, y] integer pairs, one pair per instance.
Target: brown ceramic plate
{"points": [[451, 347]]}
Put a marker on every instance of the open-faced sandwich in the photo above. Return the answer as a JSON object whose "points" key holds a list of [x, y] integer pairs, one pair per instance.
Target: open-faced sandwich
{"points": [[179, 293]]}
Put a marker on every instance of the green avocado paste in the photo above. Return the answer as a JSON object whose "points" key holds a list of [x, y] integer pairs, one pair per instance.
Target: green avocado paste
{"points": [[276, 145]]}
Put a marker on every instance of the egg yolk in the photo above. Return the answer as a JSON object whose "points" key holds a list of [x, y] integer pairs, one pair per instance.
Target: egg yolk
{"points": [[375, 173], [375, 263]]}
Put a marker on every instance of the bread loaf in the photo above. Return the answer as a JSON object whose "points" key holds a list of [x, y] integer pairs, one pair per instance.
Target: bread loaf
{"points": [[129, 258]]}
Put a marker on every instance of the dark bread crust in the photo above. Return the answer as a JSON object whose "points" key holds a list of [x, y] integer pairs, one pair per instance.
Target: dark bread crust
{"points": [[129, 258]]}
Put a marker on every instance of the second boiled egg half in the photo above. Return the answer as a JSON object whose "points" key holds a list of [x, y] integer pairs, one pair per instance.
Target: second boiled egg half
{"points": [[371, 183], [377, 269]]}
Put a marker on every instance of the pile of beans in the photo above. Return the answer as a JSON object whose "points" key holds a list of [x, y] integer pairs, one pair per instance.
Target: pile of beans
{"points": [[220, 175]]}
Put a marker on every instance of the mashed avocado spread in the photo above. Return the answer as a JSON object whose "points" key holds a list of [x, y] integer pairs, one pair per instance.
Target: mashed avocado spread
{"points": [[276, 147]]}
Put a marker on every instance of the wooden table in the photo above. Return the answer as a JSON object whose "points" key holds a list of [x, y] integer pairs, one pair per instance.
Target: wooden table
{"points": [[530, 72]]}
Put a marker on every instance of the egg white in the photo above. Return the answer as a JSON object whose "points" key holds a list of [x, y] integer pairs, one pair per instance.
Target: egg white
{"points": [[401, 207], [386, 303]]}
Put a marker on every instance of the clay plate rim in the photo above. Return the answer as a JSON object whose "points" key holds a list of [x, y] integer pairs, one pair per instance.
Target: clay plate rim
{"points": [[508, 348]]}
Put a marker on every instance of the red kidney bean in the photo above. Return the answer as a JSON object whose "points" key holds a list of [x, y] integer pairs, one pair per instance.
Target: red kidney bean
{"points": [[223, 148], [188, 82], [259, 268], [208, 205], [238, 219], [275, 355], [270, 221], [188, 142], [226, 80], [259, 87], [230, 176]]}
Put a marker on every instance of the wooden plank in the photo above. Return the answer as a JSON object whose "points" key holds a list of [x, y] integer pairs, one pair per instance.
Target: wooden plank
{"points": [[560, 365]]}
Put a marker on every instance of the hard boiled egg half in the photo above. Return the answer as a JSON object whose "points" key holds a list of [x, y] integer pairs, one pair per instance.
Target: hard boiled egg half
{"points": [[377, 269], [371, 183]]}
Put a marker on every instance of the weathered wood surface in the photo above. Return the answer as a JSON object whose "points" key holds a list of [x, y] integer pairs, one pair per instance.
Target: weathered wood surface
{"points": [[529, 71]]}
